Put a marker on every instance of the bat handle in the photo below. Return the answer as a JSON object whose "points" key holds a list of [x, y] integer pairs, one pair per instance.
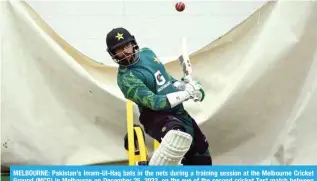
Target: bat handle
{"points": [[187, 78]]}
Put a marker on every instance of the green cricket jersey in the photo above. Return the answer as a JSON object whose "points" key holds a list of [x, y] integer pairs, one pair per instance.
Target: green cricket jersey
{"points": [[146, 83]]}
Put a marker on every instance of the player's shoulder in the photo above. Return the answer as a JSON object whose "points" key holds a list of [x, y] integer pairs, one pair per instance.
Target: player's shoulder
{"points": [[146, 50], [123, 76], [127, 73], [123, 71]]}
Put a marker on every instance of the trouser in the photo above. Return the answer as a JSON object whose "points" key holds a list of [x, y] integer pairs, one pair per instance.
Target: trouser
{"points": [[157, 124]]}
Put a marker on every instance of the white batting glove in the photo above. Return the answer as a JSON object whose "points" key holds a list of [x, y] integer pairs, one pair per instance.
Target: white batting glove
{"points": [[195, 90], [179, 85], [192, 86], [187, 79], [198, 96]]}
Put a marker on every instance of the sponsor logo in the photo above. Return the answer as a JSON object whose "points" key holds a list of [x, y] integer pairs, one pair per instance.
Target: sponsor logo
{"points": [[164, 86], [160, 80]]}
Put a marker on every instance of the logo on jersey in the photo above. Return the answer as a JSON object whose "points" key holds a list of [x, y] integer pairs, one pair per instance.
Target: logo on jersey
{"points": [[160, 80], [156, 60]]}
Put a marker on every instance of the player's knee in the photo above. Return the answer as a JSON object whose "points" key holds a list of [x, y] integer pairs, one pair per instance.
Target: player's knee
{"points": [[173, 124], [161, 125]]}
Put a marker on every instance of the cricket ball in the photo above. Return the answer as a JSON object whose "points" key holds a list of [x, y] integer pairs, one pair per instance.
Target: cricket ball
{"points": [[180, 6]]}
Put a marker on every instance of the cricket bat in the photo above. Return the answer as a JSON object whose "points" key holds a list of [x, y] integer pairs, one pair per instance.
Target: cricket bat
{"points": [[185, 63]]}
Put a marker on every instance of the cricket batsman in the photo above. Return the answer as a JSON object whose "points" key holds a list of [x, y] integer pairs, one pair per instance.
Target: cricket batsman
{"points": [[142, 78]]}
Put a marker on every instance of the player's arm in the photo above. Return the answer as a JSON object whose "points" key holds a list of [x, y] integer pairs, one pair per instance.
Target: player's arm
{"points": [[135, 90]]}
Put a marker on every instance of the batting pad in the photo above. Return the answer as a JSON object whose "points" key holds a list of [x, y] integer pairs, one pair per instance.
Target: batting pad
{"points": [[172, 149]]}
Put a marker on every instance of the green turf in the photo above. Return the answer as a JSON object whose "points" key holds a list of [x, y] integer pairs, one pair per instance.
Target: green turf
{"points": [[5, 177]]}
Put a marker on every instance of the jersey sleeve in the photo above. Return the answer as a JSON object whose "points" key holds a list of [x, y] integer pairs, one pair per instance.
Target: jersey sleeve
{"points": [[172, 79], [135, 90]]}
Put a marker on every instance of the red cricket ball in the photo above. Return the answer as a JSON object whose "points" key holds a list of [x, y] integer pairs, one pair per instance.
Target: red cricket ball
{"points": [[180, 6]]}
